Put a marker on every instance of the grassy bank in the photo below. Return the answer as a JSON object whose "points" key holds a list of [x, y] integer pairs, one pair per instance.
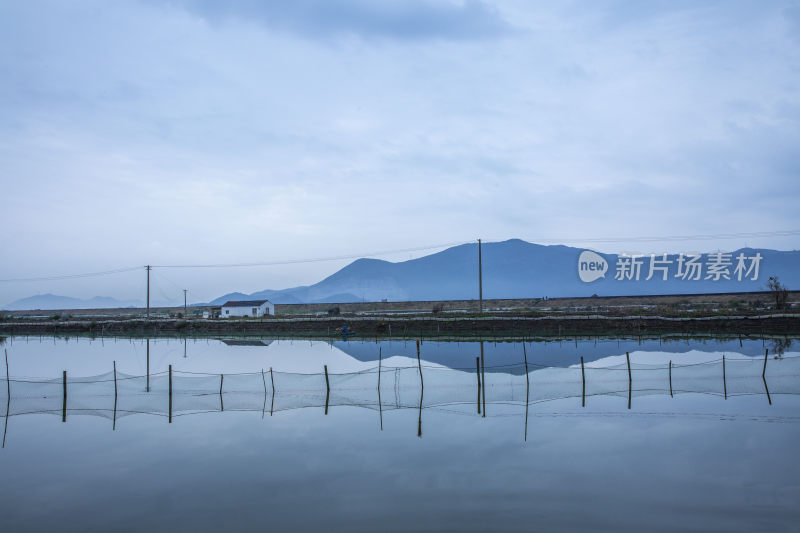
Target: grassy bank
{"points": [[415, 326]]}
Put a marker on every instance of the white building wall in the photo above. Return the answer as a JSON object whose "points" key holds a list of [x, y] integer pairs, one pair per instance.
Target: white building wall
{"points": [[267, 308]]}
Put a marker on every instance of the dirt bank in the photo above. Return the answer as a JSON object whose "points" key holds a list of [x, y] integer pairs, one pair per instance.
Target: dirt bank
{"points": [[361, 326]]}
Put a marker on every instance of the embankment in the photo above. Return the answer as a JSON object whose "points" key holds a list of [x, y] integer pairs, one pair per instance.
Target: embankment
{"points": [[419, 326]]}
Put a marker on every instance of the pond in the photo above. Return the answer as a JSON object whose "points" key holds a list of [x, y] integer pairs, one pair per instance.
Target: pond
{"points": [[251, 434]]}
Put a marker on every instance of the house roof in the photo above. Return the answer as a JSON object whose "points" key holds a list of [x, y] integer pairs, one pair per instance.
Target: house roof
{"points": [[245, 303]]}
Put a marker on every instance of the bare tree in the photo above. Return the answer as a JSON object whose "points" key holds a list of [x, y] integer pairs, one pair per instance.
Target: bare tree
{"points": [[780, 292]]}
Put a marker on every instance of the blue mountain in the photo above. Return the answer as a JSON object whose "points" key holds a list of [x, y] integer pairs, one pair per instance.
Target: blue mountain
{"points": [[519, 269], [52, 301]]}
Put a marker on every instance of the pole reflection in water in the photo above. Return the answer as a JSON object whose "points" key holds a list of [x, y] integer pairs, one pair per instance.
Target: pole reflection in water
{"points": [[680, 446], [174, 393]]}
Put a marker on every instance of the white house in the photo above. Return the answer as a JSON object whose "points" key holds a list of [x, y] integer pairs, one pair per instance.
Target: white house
{"points": [[252, 308]]}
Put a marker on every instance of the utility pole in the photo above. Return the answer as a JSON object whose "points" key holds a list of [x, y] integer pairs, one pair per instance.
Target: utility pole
{"points": [[480, 279], [184, 303], [148, 268]]}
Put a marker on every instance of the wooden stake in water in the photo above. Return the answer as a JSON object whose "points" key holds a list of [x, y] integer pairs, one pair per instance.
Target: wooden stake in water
{"points": [[483, 380], [764, 375], [419, 420], [327, 389], [478, 374], [769, 399], [147, 385], [527, 376], [380, 405], [630, 379], [272, 381], [64, 404], [221, 379], [170, 394], [419, 364], [670, 379], [114, 422], [8, 377], [527, 389], [264, 381], [583, 381], [724, 381], [8, 401]]}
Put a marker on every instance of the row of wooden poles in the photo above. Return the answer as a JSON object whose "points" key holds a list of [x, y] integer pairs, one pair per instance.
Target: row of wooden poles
{"points": [[221, 382], [480, 373], [630, 379]]}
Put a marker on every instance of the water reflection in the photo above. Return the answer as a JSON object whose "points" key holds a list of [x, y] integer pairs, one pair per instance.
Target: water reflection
{"points": [[31, 356], [386, 387], [447, 441]]}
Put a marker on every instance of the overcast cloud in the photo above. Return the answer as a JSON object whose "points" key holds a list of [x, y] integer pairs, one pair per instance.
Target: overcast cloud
{"points": [[194, 131]]}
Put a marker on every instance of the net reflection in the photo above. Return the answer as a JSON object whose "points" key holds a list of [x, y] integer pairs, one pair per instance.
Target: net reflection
{"points": [[174, 393]]}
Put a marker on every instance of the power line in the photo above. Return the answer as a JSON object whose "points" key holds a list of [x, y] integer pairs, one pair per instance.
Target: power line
{"points": [[314, 260], [73, 276], [234, 265], [710, 236]]}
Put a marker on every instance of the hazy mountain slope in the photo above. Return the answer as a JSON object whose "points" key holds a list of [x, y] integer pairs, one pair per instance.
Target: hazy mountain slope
{"points": [[516, 269], [511, 269], [53, 301]]}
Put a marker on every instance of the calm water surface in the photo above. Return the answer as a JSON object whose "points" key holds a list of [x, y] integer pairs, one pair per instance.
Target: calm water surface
{"points": [[694, 461]]}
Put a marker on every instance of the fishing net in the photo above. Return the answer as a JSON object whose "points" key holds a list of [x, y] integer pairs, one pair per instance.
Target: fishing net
{"points": [[115, 394]]}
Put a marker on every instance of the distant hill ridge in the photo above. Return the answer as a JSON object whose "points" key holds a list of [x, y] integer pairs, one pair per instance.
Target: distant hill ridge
{"points": [[511, 269], [518, 269], [52, 301]]}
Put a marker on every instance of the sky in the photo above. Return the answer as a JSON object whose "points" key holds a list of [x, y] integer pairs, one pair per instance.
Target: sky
{"points": [[200, 132]]}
